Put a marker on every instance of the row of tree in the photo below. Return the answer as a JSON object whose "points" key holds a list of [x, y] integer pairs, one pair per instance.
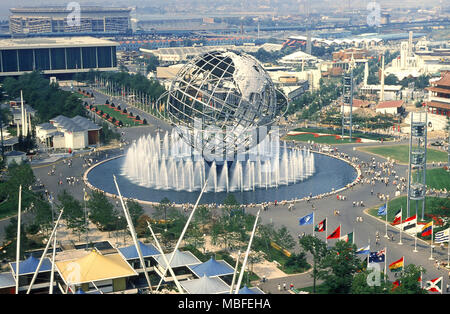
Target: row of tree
{"points": [[342, 271], [138, 82], [47, 99]]}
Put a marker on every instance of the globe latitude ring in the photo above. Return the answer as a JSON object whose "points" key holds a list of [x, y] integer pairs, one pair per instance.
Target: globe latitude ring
{"points": [[217, 98]]}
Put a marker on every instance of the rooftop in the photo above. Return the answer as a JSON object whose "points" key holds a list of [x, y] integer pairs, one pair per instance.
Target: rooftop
{"points": [[390, 104], [57, 42], [444, 81], [63, 9]]}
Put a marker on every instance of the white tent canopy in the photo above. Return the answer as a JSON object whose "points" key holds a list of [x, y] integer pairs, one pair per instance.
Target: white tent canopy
{"points": [[205, 285]]}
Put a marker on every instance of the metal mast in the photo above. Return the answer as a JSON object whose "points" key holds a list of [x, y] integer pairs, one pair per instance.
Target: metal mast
{"points": [[417, 161], [348, 99]]}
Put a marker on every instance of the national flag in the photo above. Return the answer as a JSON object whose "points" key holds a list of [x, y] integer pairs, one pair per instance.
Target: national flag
{"points": [[347, 238], [427, 229], [442, 236], [377, 257], [336, 233], [434, 285], [86, 196], [409, 224], [398, 217], [363, 250], [396, 284], [382, 210], [321, 226], [307, 220], [397, 265]]}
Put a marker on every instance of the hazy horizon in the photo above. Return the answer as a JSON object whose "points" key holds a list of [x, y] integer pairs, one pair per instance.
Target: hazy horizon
{"points": [[281, 6]]}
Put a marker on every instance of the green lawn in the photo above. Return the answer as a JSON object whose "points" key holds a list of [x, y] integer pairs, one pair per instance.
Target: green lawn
{"points": [[320, 139], [401, 153], [438, 178], [320, 289], [339, 132], [115, 114], [433, 205]]}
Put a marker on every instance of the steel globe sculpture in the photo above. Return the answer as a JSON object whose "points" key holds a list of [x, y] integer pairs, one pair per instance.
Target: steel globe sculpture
{"points": [[218, 97]]}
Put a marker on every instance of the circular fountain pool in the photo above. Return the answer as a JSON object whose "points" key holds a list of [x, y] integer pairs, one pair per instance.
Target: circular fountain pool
{"points": [[329, 174]]}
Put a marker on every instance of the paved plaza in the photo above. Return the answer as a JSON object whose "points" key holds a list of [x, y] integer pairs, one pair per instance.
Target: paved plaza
{"points": [[325, 207]]}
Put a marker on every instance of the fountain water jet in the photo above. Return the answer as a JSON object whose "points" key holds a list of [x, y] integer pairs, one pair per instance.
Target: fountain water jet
{"points": [[165, 163]]}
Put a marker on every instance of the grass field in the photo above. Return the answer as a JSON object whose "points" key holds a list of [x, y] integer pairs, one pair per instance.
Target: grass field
{"points": [[119, 116], [401, 153], [433, 206], [321, 139], [339, 132], [438, 178]]}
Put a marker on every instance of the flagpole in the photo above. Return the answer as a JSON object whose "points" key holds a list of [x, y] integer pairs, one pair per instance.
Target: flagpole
{"points": [[448, 253], [431, 242], [18, 240], [368, 255], [313, 224], [385, 264], [387, 198], [415, 240], [326, 230], [401, 226]]}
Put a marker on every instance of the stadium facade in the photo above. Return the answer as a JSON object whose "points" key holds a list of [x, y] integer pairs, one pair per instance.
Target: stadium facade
{"points": [[56, 55], [46, 20]]}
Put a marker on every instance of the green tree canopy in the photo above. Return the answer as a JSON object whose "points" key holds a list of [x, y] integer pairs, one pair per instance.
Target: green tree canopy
{"points": [[73, 212], [338, 268], [102, 212]]}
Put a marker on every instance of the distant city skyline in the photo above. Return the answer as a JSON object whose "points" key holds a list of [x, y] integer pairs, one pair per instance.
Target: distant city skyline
{"points": [[280, 6]]}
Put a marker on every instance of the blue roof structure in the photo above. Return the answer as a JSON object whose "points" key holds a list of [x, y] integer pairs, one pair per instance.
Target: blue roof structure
{"points": [[253, 290], [30, 265], [212, 268], [130, 252]]}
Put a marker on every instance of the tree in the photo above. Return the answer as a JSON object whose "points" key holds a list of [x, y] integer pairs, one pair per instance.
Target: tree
{"points": [[284, 238], [163, 209], [135, 209], [152, 63], [318, 249], [102, 212], [202, 216], [73, 212], [391, 79], [409, 281], [360, 283], [338, 268]]}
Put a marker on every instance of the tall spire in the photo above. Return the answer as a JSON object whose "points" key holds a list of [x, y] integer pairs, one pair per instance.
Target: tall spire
{"points": [[366, 73]]}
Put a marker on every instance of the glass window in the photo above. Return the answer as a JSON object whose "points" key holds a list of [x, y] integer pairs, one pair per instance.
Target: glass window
{"points": [[89, 57], [9, 60], [114, 56], [73, 58], [104, 57], [25, 60], [58, 59], [42, 59]]}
